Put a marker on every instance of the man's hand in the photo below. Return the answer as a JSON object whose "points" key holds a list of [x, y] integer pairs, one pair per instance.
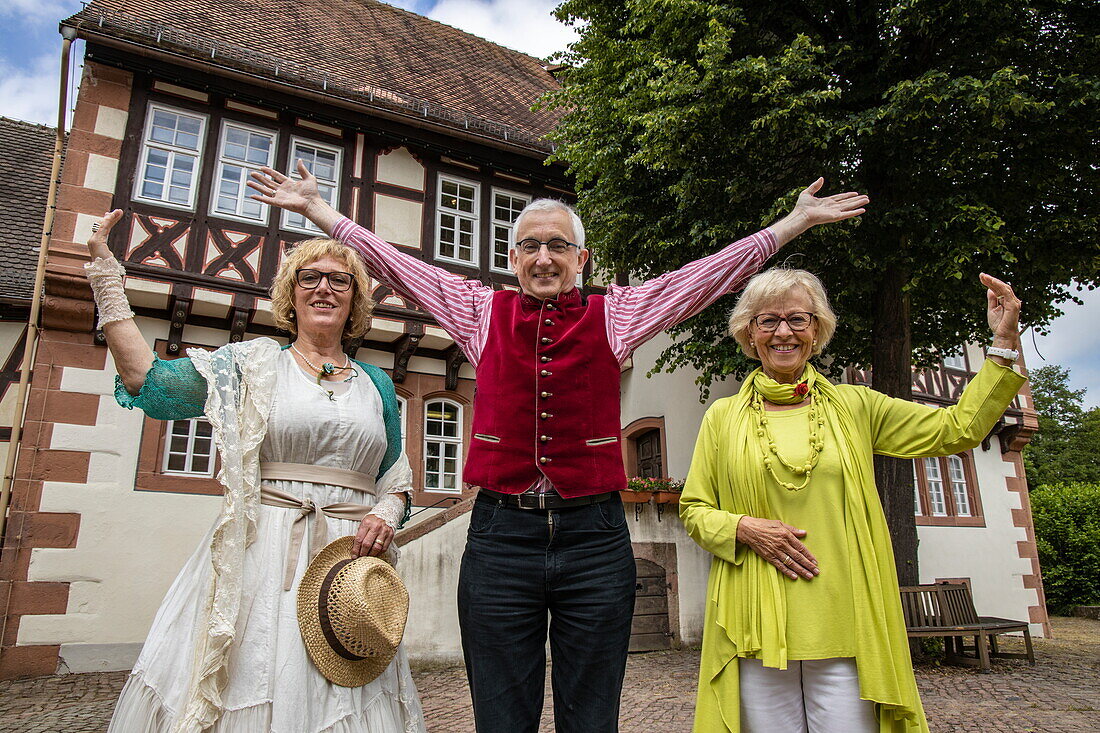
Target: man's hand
{"points": [[299, 196], [810, 211]]}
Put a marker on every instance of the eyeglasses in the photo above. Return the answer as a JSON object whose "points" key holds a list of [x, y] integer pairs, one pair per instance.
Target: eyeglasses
{"points": [[556, 246], [768, 322], [310, 279]]}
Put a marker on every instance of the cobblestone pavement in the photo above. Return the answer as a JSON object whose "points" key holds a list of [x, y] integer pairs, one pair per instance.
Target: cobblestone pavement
{"points": [[1060, 695]]}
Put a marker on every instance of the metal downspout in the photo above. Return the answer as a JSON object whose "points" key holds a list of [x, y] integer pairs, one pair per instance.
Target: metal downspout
{"points": [[68, 35]]}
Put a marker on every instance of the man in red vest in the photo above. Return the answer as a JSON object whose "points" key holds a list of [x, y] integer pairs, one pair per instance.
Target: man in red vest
{"points": [[548, 536]]}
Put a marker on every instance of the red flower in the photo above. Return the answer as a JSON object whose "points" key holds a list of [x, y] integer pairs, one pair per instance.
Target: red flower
{"points": [[801, 389]]}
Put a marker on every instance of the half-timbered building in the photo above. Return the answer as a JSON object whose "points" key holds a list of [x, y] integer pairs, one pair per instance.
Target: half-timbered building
{"points": [[424, 134]]}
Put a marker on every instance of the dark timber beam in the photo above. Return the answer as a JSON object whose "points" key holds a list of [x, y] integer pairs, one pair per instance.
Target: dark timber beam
{"points": [[404, 348], [455, 360]]}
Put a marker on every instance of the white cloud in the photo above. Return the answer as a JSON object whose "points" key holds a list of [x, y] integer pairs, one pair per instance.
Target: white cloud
{"points": [[30, 92], [1074, 343], [37, 10], [523, 25]]}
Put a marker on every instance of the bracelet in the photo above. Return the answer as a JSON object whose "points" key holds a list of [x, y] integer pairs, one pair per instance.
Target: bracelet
{"points": [[390, 508], [1008, 354], [105, 276]]}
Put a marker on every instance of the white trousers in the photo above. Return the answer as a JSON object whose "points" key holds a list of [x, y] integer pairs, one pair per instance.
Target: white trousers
{"points": [[812, 696]]}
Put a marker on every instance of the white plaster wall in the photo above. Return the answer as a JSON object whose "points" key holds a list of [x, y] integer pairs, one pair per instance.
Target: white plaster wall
{"points": [[400, 168], [647, 524], [987, 555], [674, 396], [429, 566], [131, 543]]}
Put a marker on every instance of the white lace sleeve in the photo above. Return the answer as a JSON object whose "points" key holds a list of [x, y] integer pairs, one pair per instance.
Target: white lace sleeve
{"points": [[105, 276]]}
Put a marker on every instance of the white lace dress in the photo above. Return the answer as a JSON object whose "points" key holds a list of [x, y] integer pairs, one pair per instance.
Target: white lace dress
{"points": [[273, 685]]}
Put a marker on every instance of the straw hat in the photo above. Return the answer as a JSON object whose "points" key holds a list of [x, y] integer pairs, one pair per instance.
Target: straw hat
{"points": [[351, 613]]}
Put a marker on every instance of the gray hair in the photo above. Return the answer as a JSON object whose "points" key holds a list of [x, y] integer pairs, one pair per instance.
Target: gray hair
{"points": [[551, 205], [771, 285]]}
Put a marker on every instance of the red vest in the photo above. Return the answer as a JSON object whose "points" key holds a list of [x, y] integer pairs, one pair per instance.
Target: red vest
{"points": [[547, 398]]}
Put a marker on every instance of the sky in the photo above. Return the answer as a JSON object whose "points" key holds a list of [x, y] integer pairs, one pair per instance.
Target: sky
{"points": [[29, 60]]}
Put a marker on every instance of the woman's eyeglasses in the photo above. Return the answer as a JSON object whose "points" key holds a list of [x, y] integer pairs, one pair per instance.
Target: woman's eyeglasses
{"points": [[556, 246], [310, 279], [796, 321]]}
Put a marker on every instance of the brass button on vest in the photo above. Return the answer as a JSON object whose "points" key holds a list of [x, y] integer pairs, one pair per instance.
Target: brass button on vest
{"points": [[547, 340], [545, 415], [545, 438], [545, 359], [544, 459], [546, 373], [546, 395], [548, 322]]}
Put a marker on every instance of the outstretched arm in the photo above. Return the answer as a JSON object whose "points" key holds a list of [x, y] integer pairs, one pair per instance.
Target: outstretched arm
{"points": [[636, 314], [456, 303], [131, 353]]}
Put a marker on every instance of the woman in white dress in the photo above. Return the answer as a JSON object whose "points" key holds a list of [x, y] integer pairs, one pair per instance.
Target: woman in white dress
{"points": [[310, 446]]}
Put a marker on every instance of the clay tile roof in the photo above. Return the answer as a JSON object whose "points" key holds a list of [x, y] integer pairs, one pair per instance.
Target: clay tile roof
{"points": [[363, 50], [26, 157]]}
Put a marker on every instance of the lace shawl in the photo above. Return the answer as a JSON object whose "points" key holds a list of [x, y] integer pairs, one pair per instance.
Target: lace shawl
{"points": [[240, 381]]}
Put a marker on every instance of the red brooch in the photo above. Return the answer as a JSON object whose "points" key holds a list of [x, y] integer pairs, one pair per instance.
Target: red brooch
{"points": [[801, 389]]}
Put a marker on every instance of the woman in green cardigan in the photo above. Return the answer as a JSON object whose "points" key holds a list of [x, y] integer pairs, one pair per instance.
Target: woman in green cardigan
{"points": [[804, 629], [309, 442]]}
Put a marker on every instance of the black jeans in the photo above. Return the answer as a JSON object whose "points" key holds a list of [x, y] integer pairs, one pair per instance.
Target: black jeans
{"points": [[578, 565]]}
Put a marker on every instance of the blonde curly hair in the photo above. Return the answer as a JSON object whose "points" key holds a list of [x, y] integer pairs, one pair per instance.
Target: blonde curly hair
{"points": [[302, 255], [771, 286]]}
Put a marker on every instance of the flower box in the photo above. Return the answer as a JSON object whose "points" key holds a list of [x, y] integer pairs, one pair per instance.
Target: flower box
{"points": [[635, 497]]}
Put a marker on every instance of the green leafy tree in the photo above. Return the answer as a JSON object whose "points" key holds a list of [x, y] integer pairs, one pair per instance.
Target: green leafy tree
{"points": [[1067, 534], [1067, 447], [970, 124]]}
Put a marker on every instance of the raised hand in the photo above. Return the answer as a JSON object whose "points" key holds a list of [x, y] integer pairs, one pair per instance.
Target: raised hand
{"points": [[828, 208], [780, 544], [97, 243], [1002, 309], [298, 195], [284, 192]]}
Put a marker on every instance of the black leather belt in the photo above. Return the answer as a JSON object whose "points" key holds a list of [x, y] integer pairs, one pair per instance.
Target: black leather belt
{"points": [[542, 501]]}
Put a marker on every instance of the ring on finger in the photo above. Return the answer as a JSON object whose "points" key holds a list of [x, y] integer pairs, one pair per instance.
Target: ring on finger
{"points": [[787, 560], [378, 543]]}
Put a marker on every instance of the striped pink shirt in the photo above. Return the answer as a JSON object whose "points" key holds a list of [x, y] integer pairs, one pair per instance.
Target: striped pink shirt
{"points": [[634, 313]]}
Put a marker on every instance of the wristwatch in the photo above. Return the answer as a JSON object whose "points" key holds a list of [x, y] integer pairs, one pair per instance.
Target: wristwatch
{"points": [[1009, 354]]}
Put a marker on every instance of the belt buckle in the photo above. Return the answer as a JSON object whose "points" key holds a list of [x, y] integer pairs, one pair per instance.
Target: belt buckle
{"points": [[531, 501]]}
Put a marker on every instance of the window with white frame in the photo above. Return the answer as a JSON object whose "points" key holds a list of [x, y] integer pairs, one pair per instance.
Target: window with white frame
{"points": [[189, 448], [916, 492], [937, 502], [323, 161], [955, 360], [506, 207], [402, 414], [456, 218], [168, 169], [958, 486], [242, 149], [442, 446]]}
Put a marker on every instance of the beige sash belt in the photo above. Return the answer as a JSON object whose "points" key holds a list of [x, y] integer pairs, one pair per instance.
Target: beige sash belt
{"points": [[271, 496]]}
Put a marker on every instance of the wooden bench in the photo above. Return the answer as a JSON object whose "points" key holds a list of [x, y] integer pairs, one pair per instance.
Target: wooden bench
{"points": [[947, 610]]}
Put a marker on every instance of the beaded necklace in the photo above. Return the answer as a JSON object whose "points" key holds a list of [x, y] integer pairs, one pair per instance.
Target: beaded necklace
{"points": [[770, 448]]}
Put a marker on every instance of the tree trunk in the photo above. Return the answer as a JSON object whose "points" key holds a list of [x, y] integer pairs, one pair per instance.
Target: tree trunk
{"points": [[892, 374]]}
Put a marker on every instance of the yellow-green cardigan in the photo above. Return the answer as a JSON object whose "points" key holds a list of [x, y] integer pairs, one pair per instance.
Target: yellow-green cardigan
{"points": [[745, 613]]}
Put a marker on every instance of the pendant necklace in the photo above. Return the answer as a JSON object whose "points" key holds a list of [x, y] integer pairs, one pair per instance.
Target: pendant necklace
{"points": [[327, 369]]}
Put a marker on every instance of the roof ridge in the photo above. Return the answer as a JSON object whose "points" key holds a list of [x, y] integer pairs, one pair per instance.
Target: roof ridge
{"points": [[28, 123], [451, 27]]}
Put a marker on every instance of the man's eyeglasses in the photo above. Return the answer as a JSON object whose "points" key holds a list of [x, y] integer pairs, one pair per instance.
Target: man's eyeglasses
{"points": [[768, 322], [556, 246], [310, 279]]}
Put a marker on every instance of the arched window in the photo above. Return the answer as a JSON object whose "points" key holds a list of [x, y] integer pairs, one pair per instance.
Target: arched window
{"points": [[442, 446], [649, 454], [958, 486]]}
